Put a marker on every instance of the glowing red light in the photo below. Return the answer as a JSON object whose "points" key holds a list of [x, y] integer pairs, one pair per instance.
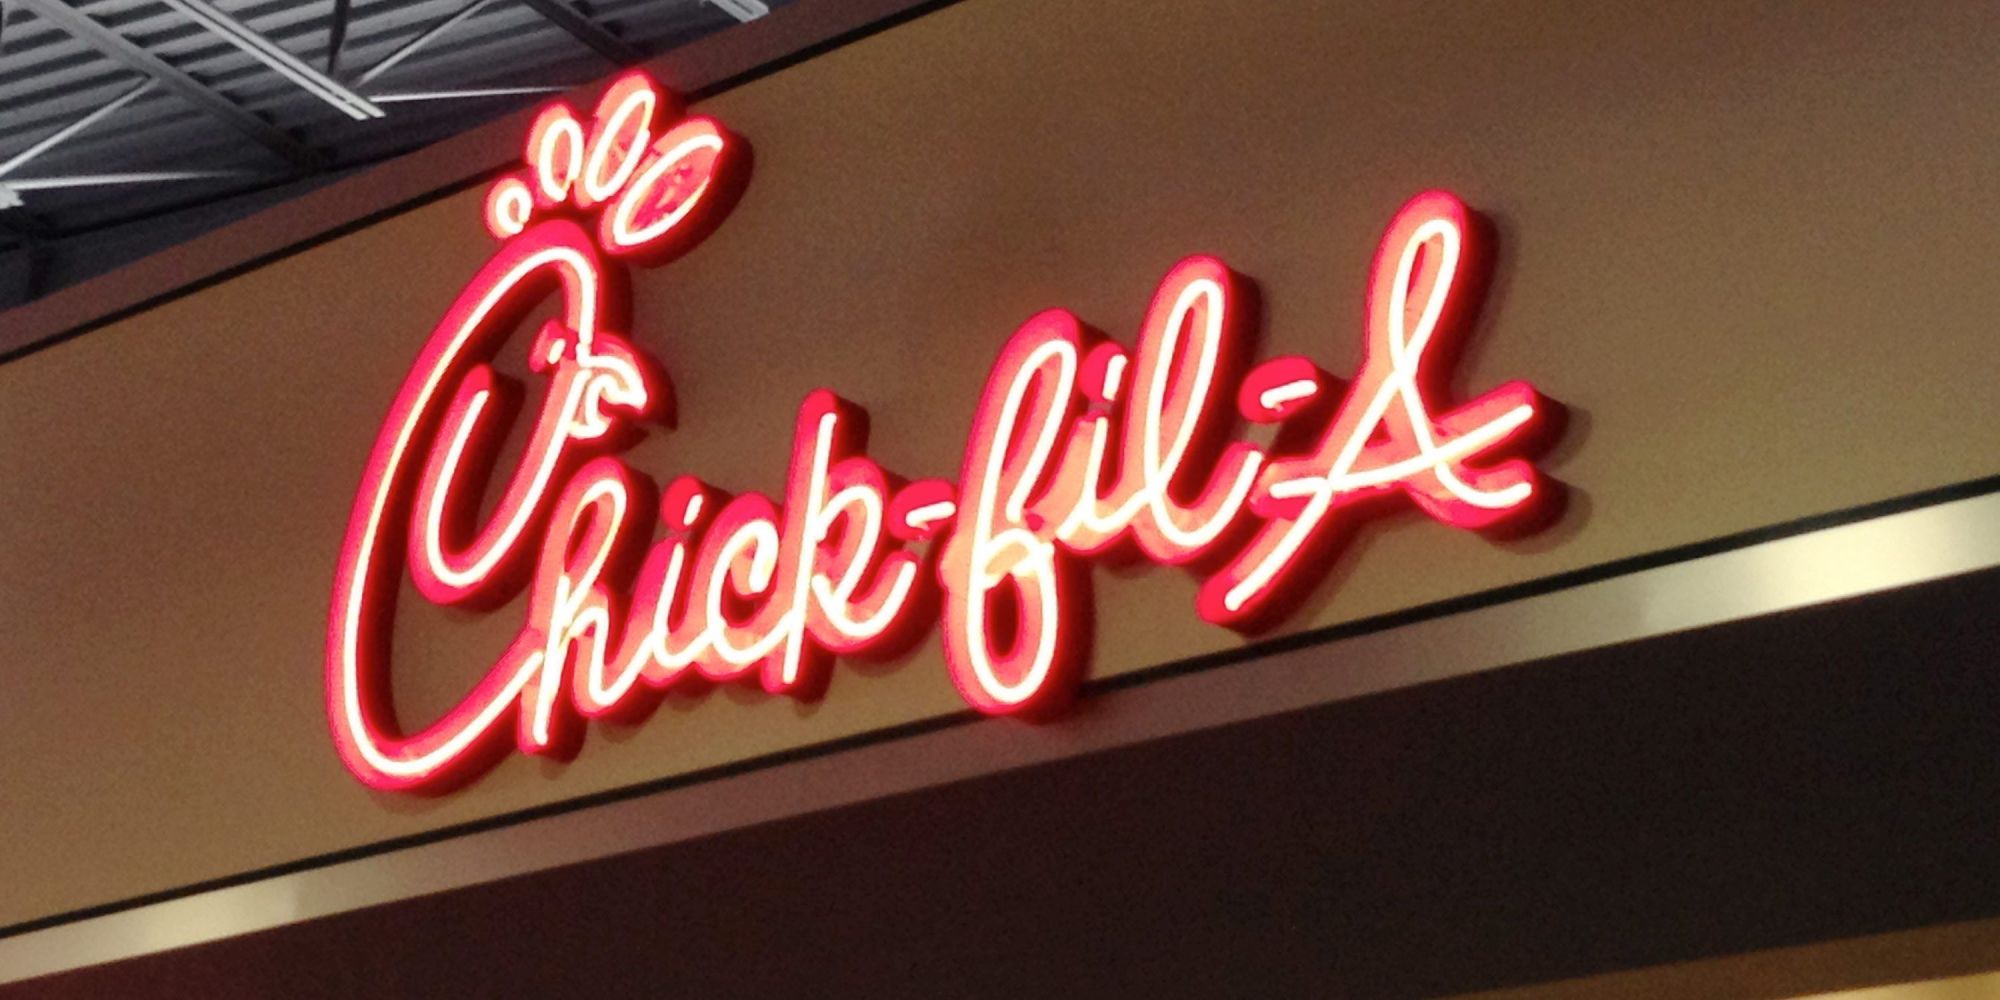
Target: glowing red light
{"points": [[1079, 448]]}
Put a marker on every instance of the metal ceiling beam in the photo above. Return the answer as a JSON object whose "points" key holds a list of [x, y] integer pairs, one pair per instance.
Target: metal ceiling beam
{"points": [[424, 37], [334, 93], [56, 138], [257, 184], [336, 34], [131, 55], [112, 180], [414, 96], [587, 31], [745, 11]]}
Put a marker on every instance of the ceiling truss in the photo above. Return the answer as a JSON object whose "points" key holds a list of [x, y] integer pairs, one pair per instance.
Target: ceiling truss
{"points": [[154, 65], [587, 31], [123, 51]]}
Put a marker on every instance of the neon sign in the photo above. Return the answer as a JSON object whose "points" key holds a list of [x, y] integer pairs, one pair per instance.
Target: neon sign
{"points": [[1081, 448]]}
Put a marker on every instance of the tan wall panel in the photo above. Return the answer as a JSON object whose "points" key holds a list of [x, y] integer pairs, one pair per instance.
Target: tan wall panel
{"points": [[1752, 246]]}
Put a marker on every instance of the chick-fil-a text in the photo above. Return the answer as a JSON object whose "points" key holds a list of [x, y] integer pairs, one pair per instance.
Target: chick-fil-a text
{"points": [[1080, 447]]}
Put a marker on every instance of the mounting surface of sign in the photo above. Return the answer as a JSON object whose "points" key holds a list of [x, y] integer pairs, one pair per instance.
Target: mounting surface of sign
{"points": [[1082, 448]]}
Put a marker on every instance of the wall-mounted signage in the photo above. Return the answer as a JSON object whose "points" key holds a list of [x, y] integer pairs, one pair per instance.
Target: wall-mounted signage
{"points": [[1175, 448]]}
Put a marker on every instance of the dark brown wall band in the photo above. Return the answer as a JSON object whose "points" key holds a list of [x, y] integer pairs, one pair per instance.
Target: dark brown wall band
{"points": [[1795, 778]]}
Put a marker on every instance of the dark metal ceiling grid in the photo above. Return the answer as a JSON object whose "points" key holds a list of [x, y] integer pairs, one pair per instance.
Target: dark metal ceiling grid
{"points": [[114, 111]]}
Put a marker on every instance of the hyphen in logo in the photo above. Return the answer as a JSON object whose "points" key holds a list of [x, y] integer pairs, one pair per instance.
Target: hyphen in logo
{"points": [[1080, 447]]}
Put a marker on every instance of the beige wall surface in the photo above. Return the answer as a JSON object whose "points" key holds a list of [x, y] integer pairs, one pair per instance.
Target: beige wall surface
{"points": [[1755, 247]]}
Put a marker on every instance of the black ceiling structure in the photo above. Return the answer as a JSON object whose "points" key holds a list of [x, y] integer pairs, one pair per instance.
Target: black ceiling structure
{"points": [[129, 125]]}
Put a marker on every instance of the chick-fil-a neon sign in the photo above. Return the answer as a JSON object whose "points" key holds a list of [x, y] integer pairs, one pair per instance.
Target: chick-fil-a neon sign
{"points": [[1081, 447]]}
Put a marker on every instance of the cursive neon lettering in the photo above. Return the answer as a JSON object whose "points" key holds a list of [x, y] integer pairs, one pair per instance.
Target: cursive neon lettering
{"points": [[1079, 448]]}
